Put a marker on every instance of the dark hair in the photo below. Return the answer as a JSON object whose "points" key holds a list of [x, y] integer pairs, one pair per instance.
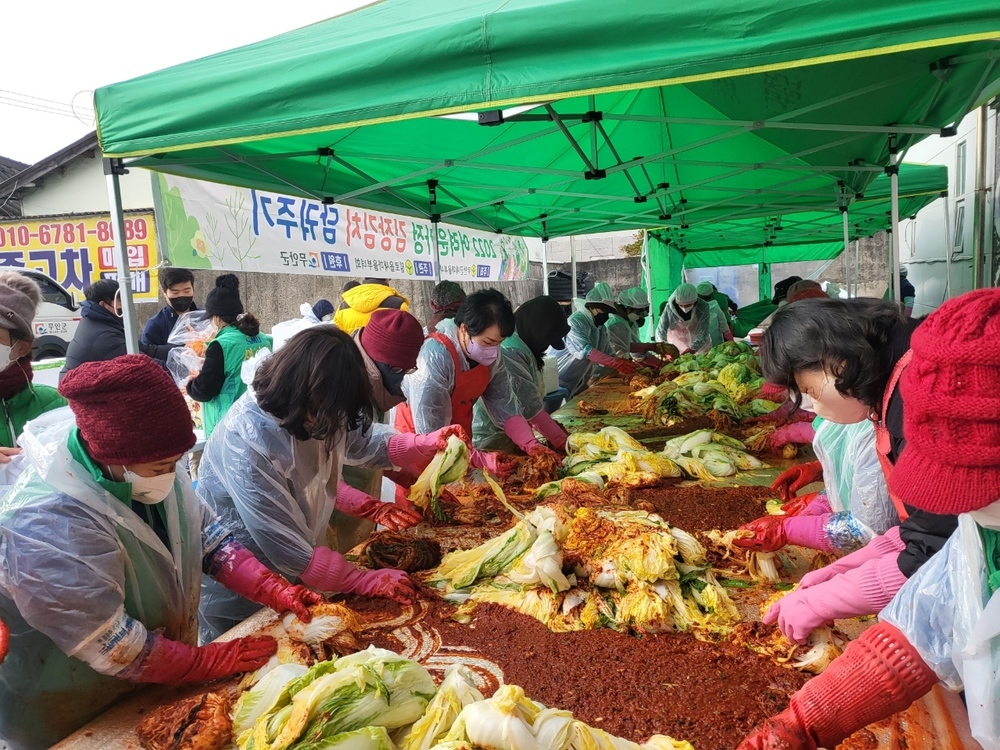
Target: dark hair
{"points": [[447, 293], [102, 291], [171, 276], [858, 340], [246, 323], [484, 309], [372, 280], [317, 376]]}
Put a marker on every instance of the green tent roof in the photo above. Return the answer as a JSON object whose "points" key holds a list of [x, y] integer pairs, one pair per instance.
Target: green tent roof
{"points": [[647, 114]]}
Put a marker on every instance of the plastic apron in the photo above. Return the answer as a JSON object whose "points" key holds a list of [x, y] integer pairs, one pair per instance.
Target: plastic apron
{"points": [[469, 386], [104, 554], [527, 393], [883, 440]]}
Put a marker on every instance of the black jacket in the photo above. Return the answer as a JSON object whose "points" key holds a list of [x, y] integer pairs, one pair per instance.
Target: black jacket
{"points": [[101, 336], [923, 533]]}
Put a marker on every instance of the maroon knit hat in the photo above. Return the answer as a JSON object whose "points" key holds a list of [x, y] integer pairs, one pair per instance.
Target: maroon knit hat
{"points": [[129, 410], [951, 412], [393, 337]]}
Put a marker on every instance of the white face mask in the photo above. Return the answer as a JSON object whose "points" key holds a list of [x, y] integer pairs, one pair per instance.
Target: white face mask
{"points": [[6, 357], [150, 490]]}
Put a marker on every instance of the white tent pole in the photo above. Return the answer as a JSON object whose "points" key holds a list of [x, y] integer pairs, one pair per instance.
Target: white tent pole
{"points": [[947, 246], [649, 276], [114, 168], [572, 266], [893, 170], [545, 267], [847, 250], [857, 268]]}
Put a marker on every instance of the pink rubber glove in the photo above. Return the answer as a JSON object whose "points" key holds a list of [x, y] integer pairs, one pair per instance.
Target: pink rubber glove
{"points": [[801, 433], [354, 502], [172, 662], [808, 531], [550, 430], [495, 463], [518, 430], [414, 452], [866, 590], [329, 571], [622, 366], [888, 544], [235, 567], [819, 506], [727, 335]]}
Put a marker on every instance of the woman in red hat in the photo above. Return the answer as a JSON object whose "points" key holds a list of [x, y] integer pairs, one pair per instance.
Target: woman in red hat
{"points": [[103, 547], [272, 468], [944, 624], [847, 355]]}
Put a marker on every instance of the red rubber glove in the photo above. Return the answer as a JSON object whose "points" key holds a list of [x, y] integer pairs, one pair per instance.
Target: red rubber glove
{"points": [[622, 366], [235, 567], [878, 675], [793, 479], [650, 361], [886, 545], [495, 463], [172, 662], [413, 452], [4, 641], [800, 433], [330, 571], [550, 430], [769, 534], [354, 502]]}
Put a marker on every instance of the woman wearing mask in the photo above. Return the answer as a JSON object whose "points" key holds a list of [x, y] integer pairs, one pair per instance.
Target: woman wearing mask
{"points": [[459, 364], [588, 343], [942, 624], [624, 324], [220, 381], [102, 554], [847, 356], [540, 324], [686, 321], [271, 469]]}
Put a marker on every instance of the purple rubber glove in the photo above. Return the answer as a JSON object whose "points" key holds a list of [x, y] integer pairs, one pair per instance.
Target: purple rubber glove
{"points": [[414, 452], [495, 463], [801, 433], [550, 430], [888, 544], [808, 530], [866, 590], [518, 430], [329, 571]]}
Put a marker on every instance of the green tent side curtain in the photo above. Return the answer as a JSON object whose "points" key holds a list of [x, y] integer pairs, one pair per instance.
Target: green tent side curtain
{"points": [[580, 116]]}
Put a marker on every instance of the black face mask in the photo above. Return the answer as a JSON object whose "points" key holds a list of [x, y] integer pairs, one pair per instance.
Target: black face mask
{"points": [[684, 315], [391, 381], [640, 322], [181, 304], [601, 318]]}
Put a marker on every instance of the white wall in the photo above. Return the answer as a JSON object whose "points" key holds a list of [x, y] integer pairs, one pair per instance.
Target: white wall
{"points": [[82, 188]]}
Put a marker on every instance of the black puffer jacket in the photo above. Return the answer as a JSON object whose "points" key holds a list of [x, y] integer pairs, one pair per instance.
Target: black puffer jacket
{"points": [[101, 336]]}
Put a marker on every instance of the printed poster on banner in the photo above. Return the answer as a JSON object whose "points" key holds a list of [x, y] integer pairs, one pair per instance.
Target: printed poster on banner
{"points": [[223, 227], [76, 251]]}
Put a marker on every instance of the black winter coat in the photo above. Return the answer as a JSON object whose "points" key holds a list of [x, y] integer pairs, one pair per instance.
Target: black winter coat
{"points": [[101, 336]]}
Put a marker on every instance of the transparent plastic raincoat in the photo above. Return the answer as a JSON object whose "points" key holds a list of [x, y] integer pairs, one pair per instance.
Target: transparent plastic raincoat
{"points": [[575, 370], [855, 484], [622, 333], [428, 391], [526, 395], [275, 493], [694, 334], [718, 327], [82, 581], [947, 612]]}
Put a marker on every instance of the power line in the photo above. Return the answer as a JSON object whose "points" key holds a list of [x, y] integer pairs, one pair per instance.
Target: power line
{"points": [[44, 102], [24, 105]]}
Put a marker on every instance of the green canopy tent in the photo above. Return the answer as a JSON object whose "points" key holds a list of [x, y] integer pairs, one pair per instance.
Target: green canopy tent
{"points": [[786, 238], [648, 115]]}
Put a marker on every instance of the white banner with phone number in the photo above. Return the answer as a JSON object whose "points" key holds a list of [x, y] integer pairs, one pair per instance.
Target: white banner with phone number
{"points": [[207, 225]]}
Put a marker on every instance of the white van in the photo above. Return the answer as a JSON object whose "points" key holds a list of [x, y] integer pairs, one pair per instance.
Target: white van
{"points": [[56, 319]]}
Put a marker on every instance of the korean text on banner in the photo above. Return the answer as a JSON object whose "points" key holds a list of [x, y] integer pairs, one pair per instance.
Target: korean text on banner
{"points": [[208, 225], [76, 251]]}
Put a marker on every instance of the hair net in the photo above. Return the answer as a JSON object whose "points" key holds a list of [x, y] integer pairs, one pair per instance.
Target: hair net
{"points": [[635, 297], [601, 294], [685, 294], [705, 289], [526, 386], [903, 272], [276, 493]]}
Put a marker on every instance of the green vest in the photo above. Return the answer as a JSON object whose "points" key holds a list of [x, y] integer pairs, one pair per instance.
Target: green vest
{"points": [[25, 406], [237, 348]]}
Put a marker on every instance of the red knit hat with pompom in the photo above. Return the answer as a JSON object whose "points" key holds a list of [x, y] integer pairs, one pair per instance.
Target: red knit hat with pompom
{"points": [[128, 410], [951, 408], [393, 337]]}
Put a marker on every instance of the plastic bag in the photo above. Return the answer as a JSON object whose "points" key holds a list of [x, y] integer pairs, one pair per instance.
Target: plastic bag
{"points": [[284, 330], [191, 333]]}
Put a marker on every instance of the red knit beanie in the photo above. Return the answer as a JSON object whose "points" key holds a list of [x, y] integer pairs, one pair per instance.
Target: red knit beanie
{"points": [[394, 338], [951, 408], [129, 410]]}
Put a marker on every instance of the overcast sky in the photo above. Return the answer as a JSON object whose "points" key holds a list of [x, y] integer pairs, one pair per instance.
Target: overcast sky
{"points": [[53, 59]]}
